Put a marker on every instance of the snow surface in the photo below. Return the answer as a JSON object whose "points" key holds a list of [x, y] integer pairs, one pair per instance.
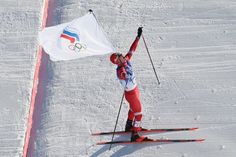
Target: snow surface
{"points": [[192, 43], [19, 23]]}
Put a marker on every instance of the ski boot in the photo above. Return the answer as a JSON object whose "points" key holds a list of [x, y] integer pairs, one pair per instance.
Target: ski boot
{"points": [[135, 137], [129, 125], [137, 129]]}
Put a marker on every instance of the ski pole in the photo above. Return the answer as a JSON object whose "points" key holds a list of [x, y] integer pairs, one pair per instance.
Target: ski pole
{"points": [[117, 118], [151, 60]]}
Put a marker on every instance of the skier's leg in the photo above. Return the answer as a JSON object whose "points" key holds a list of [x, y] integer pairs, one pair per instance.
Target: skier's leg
{"points": [[137, 121], [130, 115], [129, 122], [135, 106], [130, 119]]}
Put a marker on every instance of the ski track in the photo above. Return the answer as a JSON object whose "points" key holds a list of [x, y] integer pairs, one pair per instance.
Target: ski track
{"points": [[192, 44]]}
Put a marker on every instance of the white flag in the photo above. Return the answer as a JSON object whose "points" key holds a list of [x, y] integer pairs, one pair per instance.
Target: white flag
{"points": [[79, 38]]}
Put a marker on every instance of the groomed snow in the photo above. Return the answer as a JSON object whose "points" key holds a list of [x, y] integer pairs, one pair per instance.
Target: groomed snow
{"points": [[192, 44], [19, 23]]}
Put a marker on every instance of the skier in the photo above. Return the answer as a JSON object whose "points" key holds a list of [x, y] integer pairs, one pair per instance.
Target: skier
{"points": [[127, 78]]}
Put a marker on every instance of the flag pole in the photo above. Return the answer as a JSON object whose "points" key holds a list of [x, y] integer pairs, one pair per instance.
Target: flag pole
{"points": [[91, 11]]}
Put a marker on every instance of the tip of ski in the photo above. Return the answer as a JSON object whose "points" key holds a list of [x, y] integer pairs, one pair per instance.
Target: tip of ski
{"points": [[147, 131]]}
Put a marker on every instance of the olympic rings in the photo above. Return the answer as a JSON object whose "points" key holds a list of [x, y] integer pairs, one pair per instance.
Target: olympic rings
{"points": [[77, 47]]}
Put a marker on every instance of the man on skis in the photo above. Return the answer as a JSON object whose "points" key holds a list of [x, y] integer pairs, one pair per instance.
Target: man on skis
{"points": [[127, 78]]}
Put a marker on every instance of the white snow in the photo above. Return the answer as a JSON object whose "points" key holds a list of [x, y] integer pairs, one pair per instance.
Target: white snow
{"points": [[192, 43], [19, 22]]}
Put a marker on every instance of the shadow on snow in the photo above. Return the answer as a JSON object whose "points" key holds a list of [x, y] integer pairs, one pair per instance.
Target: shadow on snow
{"points": [[126, 150]]}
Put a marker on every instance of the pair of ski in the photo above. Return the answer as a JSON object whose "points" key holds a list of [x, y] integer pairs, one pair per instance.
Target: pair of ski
{"points": [[149, 140]]}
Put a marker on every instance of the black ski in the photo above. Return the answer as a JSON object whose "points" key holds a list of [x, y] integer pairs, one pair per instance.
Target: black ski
{"points": [[145, 131], [152, 141]]}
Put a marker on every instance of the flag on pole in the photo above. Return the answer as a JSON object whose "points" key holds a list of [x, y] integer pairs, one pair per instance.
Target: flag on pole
{"points": [[79, 38]]}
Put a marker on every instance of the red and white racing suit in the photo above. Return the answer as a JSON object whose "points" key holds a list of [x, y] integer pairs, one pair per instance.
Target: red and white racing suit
{"points": [[127, 79]]}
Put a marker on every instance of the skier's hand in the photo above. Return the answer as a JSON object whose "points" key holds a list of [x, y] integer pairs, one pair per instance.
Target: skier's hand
{"points": [[122, 74], [140, 30]]}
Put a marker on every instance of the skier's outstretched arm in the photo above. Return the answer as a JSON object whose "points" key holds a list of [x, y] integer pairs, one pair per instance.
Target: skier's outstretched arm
{"points": [[134, 45]]}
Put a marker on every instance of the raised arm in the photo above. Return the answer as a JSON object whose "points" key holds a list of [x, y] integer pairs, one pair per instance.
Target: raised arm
{"points": [[134, 45]]}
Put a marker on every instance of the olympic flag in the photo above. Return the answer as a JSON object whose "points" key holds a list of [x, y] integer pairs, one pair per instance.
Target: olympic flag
{"points": [[79, 38]]}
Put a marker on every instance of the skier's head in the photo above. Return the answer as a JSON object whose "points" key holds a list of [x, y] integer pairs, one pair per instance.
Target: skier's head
{"points": [[114, 58]]}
